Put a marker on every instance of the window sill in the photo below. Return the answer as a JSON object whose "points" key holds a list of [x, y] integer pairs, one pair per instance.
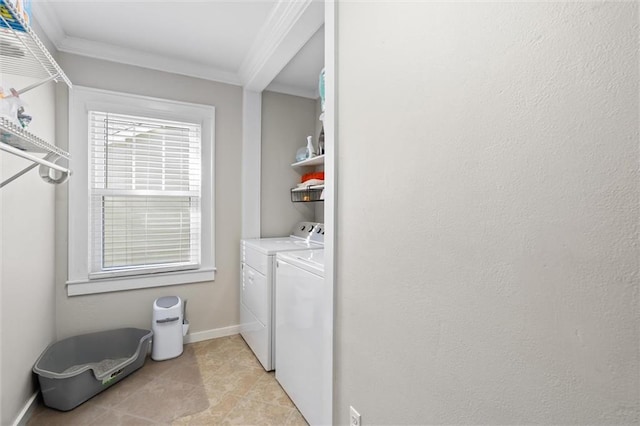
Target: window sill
{"points": [[83, 287]]}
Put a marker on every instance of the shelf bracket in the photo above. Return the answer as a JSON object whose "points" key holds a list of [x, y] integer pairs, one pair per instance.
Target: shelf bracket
{"points": [[47, 164], [39, 83]]}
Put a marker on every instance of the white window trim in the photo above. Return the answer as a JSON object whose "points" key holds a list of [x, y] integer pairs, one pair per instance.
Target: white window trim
{"points": [[83, 99]]}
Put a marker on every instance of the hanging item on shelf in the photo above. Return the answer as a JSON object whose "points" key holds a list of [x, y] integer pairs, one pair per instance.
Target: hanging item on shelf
{"points": [[23, 118], [12, 108], [9, 105]]}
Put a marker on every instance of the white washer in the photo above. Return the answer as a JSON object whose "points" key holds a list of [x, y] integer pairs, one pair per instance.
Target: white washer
{"points": [[257, 285], [304, 330]]}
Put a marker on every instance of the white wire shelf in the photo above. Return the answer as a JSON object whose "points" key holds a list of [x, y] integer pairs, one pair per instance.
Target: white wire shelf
{"points": [[22, 53], [307, 194], [13, 135], [19, 142]]}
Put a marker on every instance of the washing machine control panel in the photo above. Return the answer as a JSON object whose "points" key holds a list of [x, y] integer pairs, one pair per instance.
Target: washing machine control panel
{"points": [[310, 231]]}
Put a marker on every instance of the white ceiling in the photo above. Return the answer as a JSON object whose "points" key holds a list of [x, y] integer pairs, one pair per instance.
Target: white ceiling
{"points": [[242, 42]]}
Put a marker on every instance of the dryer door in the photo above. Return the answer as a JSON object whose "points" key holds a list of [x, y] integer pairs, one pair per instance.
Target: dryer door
{"points": [[255, 314], [255, 293]]}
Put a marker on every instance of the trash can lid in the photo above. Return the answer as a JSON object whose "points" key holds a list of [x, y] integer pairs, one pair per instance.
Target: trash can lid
{"points": [[167, 301]]}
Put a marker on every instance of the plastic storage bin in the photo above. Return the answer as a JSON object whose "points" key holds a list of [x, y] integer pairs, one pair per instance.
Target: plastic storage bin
{"points": [[169, 328], [73, 370]]}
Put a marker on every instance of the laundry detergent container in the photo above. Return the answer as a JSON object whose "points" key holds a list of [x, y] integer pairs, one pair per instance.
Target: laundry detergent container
{"points": [[169, 328], [73, 370]]}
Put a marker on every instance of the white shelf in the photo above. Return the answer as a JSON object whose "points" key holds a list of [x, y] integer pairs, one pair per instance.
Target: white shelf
{"points": [[22, 53], [13, 135], [20, 143], [309, 193], [307, 188], [313, 161]]}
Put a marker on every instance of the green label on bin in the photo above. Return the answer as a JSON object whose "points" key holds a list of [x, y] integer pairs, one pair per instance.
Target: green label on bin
{"points": [[112, 377]]}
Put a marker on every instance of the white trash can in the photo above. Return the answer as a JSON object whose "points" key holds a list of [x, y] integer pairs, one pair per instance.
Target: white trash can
{"points": [[169, 328]]}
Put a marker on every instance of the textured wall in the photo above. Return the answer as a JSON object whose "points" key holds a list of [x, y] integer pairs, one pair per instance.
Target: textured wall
{"points": [[212, 304], [286, 122], [494, 147], [27, 312]]}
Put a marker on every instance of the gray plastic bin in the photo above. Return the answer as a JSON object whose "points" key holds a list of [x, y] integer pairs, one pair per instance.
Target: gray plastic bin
{"points": [[74, 369]]}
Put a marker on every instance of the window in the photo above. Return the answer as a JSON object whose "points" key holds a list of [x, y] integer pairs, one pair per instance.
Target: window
{"points": [[149, 204], [144, 195]]}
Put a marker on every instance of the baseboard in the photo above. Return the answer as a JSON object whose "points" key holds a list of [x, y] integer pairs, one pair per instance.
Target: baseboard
{"points": [[199, 336], [27, 411]]}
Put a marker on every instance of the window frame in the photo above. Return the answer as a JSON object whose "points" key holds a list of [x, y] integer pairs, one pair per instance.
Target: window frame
{"points": [[85, 99]]}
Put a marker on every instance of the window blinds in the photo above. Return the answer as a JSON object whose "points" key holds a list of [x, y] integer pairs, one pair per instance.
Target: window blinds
{"points": [[144, 194]]}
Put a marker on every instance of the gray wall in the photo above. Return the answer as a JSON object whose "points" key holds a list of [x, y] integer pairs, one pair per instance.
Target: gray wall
{"points": [[27, 310], [502, 284], [212, 305], [286, 122]]}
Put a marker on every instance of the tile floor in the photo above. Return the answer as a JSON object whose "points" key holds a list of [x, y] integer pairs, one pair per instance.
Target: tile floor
{"points": [[213, 382]]}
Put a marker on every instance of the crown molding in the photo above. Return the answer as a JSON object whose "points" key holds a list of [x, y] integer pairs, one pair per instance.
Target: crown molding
{"points": [[50, 25], [289, 26], [144, 59]]}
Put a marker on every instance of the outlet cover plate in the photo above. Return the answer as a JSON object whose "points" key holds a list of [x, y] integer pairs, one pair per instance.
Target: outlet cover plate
{"points": [[354, 417]]}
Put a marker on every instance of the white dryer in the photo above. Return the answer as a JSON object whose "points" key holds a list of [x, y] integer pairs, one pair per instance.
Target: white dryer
{"points": [[257, 285], [304, 333]]}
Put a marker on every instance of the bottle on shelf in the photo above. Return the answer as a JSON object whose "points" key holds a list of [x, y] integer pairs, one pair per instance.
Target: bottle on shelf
{"points": [[321, 141], [310, 152]]}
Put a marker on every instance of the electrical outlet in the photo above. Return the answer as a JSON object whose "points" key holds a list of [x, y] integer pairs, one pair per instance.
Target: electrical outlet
{"points": [[354, 417]]}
